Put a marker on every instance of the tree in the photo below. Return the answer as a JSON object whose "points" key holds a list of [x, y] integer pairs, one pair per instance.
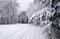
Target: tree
{"points": [[42, 15], [8, 11], [23, 18], [37, 5]]}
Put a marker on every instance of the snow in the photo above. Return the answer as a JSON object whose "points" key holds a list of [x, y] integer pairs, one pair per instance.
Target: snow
{"points": [[22, 31], [43, 14]]}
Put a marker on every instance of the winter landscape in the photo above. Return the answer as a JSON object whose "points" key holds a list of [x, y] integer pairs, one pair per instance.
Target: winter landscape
{"points": [[29, 19]]}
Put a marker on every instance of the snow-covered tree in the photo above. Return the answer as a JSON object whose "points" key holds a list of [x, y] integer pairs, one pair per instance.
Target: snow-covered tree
{"points": [[23, 18], [37, 6], [8, 11], [42, 15]]}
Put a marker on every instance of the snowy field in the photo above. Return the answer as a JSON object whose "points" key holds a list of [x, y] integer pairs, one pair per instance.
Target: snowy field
{"points": [[21, 31]]}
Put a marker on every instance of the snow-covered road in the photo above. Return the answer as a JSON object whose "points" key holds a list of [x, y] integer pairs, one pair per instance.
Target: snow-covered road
{"points": [[21, 31]]}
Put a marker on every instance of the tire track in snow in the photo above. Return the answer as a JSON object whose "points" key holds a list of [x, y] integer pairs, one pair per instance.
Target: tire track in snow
{"points": [[17, 32], [27, 34]]}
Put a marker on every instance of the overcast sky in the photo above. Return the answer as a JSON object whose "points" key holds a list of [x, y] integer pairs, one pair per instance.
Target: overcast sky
{"points": [[24, 4]]}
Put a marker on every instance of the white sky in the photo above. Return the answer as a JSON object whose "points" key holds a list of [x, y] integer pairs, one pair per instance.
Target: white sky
{"points": [[24, 4]]}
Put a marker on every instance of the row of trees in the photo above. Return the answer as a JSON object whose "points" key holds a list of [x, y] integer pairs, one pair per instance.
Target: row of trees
{"points": [[8, 12]]}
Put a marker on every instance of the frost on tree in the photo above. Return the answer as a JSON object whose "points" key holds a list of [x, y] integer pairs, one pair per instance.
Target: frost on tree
{"points": [[8, 11], [42, 15], [44, 2], [37, 6]]}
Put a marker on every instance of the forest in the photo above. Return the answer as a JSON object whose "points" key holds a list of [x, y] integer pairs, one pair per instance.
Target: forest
{"points": [[45, 13]]}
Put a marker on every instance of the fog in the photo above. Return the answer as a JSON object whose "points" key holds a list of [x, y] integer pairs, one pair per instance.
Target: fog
{"points": [[24, 4]]}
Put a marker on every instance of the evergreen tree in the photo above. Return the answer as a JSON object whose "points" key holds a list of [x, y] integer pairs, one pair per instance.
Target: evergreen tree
{"points": [[23, 18]]}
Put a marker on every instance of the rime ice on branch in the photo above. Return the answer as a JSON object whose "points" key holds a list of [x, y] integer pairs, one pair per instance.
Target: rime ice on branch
{"points": [[42, 15]]}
